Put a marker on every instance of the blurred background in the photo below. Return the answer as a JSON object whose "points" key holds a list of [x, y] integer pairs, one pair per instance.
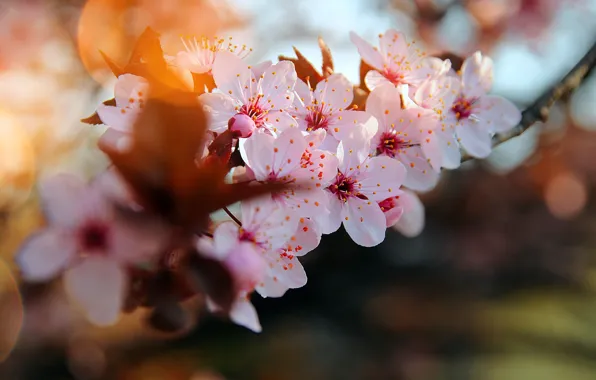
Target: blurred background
{"points": [[500, 285]]}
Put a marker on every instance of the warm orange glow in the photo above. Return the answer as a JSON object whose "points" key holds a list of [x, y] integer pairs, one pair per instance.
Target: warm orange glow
{"points": [[566, 195], [11, 312], [17, 161], [113, 26]]}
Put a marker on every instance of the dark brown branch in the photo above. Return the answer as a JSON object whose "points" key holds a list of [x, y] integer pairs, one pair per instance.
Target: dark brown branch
{"points": [[540, 109]]}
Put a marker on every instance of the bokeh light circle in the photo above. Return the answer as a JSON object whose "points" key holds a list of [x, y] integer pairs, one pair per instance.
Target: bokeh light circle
{"points": [[11, 312]]}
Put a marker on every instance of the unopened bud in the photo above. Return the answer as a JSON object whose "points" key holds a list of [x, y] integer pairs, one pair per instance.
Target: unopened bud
{"points": [[241, 125]]}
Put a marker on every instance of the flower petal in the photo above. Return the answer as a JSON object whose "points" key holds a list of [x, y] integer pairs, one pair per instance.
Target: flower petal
{"points": [[477, 75], [231, 74], [130, 89], [411, 222], [243, 313], [121, 119], [278, 122], [98, 284], [336, 92], [277, 85], [287, 151], [499, 113], [45, 254], [271, 287], [474, 138], [225, 238], [220, 108], [420, 174], [62, 197], [257, 153], [364, 221], [369, 54], [374, 79], [329, 223], [382, 178]]}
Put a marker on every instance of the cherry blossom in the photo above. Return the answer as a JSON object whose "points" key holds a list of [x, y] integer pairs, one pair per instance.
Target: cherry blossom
{"points": [[436, 96], [360, 183], [91, 243], [476, 115], [130, 94], [265, 229], [404, 134], [396, 60], [284, 269], [198, 56], [265, 98], [285, 159], [325, 108]]}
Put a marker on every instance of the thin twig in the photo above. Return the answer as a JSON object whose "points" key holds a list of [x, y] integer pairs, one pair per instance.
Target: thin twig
{"points": [[540, 109], [232, 216]]}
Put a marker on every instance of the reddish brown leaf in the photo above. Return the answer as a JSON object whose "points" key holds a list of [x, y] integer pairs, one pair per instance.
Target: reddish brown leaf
{"points": [[304, 69], [116, 69], [94, 119], [213, 278], [327, 67], [201, 81], [364, 69], [456, 60]]}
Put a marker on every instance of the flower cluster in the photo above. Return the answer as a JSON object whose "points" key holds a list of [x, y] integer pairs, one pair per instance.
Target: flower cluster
{"points": [[330, 164]]}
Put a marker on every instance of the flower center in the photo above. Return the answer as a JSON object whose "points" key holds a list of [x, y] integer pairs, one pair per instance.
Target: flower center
{"points": [[388, 204], [390, 144], [316, 119], [463, 108], [345, 187], [255, 111], [393, 76], [93, 237]]}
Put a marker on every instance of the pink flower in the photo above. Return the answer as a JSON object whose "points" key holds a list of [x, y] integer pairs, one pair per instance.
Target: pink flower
{"points": [[476, 115], [285, 159], [404, 134], [199, 57], [284, 269], [436, 96], [265, 98], [92, 243], [396, 61], [360, 183], [130, 94], [245, 250], [325, 108]]}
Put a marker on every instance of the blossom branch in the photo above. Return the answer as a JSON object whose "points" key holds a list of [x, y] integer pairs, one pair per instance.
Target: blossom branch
{"points": [[540, 109]]}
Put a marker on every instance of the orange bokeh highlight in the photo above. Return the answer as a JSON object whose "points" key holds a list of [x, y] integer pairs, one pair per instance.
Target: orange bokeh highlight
{"points": [[113, 26], [17, 162], [11, 312]]}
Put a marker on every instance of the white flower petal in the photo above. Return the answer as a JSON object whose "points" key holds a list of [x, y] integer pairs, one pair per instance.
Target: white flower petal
{"points": [[98, 284], [474, 138], [336, 92], [63, 196], [411, 222], [367, 52], [220, 108], [231, 74], [45, 254], [381, 178], [499, 113], [477, 75], [364, 221], [257, 153], [121, 119], [243, 313], [374, 79]]}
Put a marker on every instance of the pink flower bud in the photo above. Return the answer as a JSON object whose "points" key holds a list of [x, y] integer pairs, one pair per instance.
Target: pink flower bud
{"points": [[241, 125]]}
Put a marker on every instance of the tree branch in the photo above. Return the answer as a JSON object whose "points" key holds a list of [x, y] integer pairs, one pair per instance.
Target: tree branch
{"points": [[540, 109]]}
